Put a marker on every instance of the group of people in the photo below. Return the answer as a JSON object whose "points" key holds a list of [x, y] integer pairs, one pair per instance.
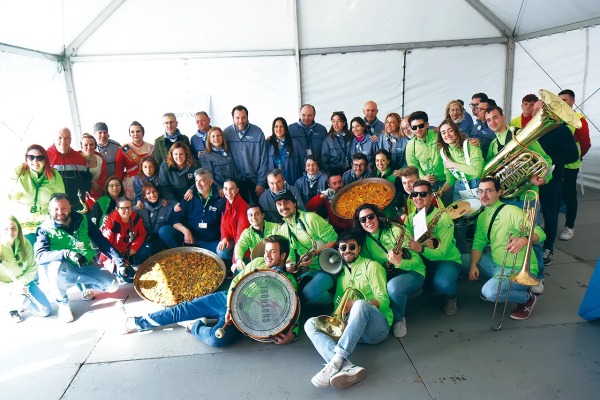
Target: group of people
{"points": [[91, 217]]}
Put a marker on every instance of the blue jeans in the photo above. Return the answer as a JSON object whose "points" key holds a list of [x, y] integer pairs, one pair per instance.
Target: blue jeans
{"points": [[173, 238], [490, 271], [317, 290], [213, 306], [142, 255], [460, 232], [16, 302], [365, 325], [400, 287], [445, 274], [459, 185], [93, 276]]}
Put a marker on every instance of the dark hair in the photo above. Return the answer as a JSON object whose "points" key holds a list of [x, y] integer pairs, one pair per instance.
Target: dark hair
{"points": [[313, 158], [289, 145], [123, 199], [275, 172], [151, 159], [202, 113], [492, 108], [48, 170], [360, 156], [384, 222], [418, 115], [188, 155], [234, 180], [490, 102], [57, 197], [349, 135], [239, 108], [530, 98], [360, 121], [497, 185], [147, 186], [255, 205], [461, 137], [284, 244], [462, 103], [421, 182], [347, 236], [568, 92], [109, 180], [209, 146], [333, 174], [309, 105], [480, 96], [386, 153], [135, 123]]}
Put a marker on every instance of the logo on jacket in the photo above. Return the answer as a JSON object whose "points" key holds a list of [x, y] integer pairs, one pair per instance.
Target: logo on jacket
{"points": [[211, 208], [190, 176]]}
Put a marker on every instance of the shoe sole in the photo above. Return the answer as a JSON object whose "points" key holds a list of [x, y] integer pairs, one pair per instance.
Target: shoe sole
{"points": [[530, 311], [346, 380], [318, 384]]}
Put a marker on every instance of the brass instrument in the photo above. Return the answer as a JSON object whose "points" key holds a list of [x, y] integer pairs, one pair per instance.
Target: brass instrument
{"points": [[524, 276], [433, 223], [307, 256], [390, 270], [85, 206], [334, 325], [515, 165]]}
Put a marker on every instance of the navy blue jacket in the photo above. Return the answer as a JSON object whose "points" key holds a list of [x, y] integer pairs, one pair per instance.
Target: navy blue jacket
{"points": [[174, 182], [335, 153], [349, 177], [396, 146], [198, 211], [198, 143], [306, 192], [367, 146], [221, 165], [377, 128], [310, 138], [292, 164], [249, 153]]}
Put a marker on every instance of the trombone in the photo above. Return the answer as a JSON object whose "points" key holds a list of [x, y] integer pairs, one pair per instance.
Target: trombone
{"points": [[524, 276]]}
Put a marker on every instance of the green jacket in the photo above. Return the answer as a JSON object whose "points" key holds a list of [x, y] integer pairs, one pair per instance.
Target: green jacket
{"points": [[388, 238], [368, 276], [509, 219], [24, 274], [22, 196], [472, 171], [79, 242], [317, 227], [444, 231], [426, 156], [161, 149], [250, 238]]}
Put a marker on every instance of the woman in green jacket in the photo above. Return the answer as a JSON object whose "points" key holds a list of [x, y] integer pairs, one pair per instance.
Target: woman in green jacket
{"points": [[17, 272], [113, 189], [33, 182]]}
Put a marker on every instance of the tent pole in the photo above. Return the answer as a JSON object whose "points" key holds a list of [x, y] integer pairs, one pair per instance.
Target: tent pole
{"points": [[297, 52], [404, 80], [72, 100], [509, 77]]}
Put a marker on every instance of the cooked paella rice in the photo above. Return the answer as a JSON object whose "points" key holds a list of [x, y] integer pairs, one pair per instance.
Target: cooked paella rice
{"points": [[372, 193]]}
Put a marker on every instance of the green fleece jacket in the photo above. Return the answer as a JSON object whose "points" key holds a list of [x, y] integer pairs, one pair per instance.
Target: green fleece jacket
{"points": [[425, 156]]}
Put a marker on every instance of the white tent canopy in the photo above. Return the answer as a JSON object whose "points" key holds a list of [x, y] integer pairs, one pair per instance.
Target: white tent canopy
{"points": [[77, 62]]}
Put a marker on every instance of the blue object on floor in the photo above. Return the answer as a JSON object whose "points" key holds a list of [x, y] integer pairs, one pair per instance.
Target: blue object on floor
{"points": [[590, 306]]}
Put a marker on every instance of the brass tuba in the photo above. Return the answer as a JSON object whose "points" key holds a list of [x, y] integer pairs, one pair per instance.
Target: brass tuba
{"points": [[515, 165], [334, 325]]}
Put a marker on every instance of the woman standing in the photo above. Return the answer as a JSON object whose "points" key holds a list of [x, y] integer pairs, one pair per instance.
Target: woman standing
{"points": [[176, 174], [312, 182], [336, 146], [106, 204], [32, 184], [284, 152], [384, 171], [217, 158], [18, 262], [394, 140], [362, 142], [96, 165], [129, 157]]}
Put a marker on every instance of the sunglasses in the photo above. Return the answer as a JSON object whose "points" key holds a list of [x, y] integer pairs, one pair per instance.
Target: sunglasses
{"points": [[416, 194], [370, 217], [31, 157], [352, 247], [415, 127]]}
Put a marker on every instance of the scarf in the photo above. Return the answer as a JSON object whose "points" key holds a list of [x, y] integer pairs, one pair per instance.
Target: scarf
{"points": [[220, 150], [365, 174], [174, 137], [312, 179], [241, 133], [459, 120], [371, 126], [286, 187]]}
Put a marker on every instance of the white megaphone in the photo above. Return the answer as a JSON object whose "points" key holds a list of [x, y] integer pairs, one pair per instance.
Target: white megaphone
{"points": [[330, 261]]}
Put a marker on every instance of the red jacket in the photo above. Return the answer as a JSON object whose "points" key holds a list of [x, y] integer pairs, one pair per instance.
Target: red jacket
{"points": [[118, 233], [234, 219], [317, 203], [74, 171], [582, 136]]}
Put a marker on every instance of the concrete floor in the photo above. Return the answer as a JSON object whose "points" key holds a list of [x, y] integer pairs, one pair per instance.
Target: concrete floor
{"points": [[554, 354]]}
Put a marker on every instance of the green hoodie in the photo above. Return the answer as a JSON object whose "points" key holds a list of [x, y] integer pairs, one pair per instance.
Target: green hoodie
{"points": [[61, 240], [425, 156], [472, 171], [24, 274]]}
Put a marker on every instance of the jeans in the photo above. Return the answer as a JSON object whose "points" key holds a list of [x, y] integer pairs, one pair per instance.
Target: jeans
{"points": [[400, 287], [17, 301], [317, 290], [93, 276], [173, 238], [459, 185], [460, 232], [213, 306], [445, 274], [142, 255], [549, 200], [446, 197], [569, 195], [365, 325], [490, 271]]}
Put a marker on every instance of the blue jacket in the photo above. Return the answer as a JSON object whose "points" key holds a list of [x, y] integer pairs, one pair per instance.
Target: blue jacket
{"points": [[349, 177], [292, 165], [137, 186], [198, 143], [310, 138], [485, 135], [198, 211], [249, 153], [377, 128], [335, 153], [174, 183], [154, 217], [367, 146], [266, 200], [306, 191], [396, 146], [221, 165]]}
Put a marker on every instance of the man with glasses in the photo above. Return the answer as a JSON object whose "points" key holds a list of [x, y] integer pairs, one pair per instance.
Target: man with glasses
{"points": [[439, 253], [493, 227], [360, 169], [308, 132], [405, 126], [369, 318], [422, 152], [107, 148], [163, 143], [277, 185], [479, 104]]}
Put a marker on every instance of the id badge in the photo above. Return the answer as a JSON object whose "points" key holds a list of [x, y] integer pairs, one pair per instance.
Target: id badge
{"points": [[79, 245], [203, 225], [309, 152]]}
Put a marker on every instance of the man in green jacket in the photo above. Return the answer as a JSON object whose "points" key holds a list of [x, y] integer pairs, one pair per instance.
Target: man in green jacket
{"points": [[163, 143], [254, 234], [368, 316]]}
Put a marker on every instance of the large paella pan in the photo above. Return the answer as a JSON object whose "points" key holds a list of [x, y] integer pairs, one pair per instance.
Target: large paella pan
{"points": [[376, 191]]}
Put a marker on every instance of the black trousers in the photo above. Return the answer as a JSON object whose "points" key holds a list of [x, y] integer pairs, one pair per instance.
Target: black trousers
{"points": [[248, 191], [550, 203], [569, 193]]}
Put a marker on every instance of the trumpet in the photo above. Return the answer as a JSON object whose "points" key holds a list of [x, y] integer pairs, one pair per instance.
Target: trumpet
{"points": [[524, 276], [334, 325]]}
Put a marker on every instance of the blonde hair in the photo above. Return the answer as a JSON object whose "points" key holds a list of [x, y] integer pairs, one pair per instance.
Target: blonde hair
{"points": [[19, 235], [453, 102], [209, 147]]}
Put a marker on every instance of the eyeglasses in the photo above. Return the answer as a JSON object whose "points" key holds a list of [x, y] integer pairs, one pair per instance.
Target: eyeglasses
{"points": [[352, 247], [482, 109], [415, 127], [359, 165], [474, 105], [31, 157], [370, 217], [114, 185], [416, 194], [125, 208], [486, 191]]}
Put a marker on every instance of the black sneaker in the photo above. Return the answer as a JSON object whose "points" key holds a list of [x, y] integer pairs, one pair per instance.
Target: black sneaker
{"points": [[548, 257], [15, 317]]}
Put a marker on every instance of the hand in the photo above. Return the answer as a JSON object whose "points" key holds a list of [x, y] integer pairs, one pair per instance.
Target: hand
{"points": [[475, 142], [222, 244], [473, 273], [537, 181], [429, 244], [139, 205], [164, 202], [397, 173], [77, 258], [221, 193], [228, 317], [286, 337], [234, 268], [290, 267], [373, 138], [395, 259], [259, 190], [348, 307], [515, 245], [132, 252], [450, 164], [415, 246], [240, 264], [188, 238], [307, 262], [200, 153], [177, 207], [403, 218], [429, 178], [188, 195]]}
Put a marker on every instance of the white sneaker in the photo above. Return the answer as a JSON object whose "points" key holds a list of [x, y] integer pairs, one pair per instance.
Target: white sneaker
{"points": [[64, 313], [538, 289], [399, 328], [567, 234], [321, 379], [348, 376], [88, 294]]}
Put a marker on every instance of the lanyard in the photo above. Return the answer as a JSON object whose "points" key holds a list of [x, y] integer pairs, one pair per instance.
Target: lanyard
{"points": [[204, 204], [378, 241], [303, 228], [456, 172], [345, 149], [37, 186]]}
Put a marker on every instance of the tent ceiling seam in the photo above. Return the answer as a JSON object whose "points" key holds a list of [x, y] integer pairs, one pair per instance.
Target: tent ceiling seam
{"points": [[490, 17], [559, 29]]}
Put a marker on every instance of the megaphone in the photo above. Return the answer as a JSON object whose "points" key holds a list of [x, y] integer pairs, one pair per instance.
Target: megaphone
{"points": [[330, 261]]}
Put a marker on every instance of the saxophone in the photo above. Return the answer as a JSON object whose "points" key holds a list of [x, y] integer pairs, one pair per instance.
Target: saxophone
{"points": [[307, 256], [432, 224], [390, 270]]}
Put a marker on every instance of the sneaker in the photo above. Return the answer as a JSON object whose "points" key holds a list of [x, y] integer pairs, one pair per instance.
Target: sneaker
{"points": [[450, 309], [567, 234], [348, 376], [538, 289], [64, 313], [15, 317], [88, 294], [399, 328], [321, 379], [523, 311], [548, 257]]}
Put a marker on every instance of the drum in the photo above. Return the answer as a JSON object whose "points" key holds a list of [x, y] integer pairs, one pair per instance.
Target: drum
{"points": [[264, 304], [465, 212], [258, 251]]}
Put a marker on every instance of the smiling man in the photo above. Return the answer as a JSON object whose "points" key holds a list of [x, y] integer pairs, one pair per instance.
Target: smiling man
{"points": [[107, 147], [277, 184], [360, 169], [309, 133], [199, 139], [374, 126]]}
